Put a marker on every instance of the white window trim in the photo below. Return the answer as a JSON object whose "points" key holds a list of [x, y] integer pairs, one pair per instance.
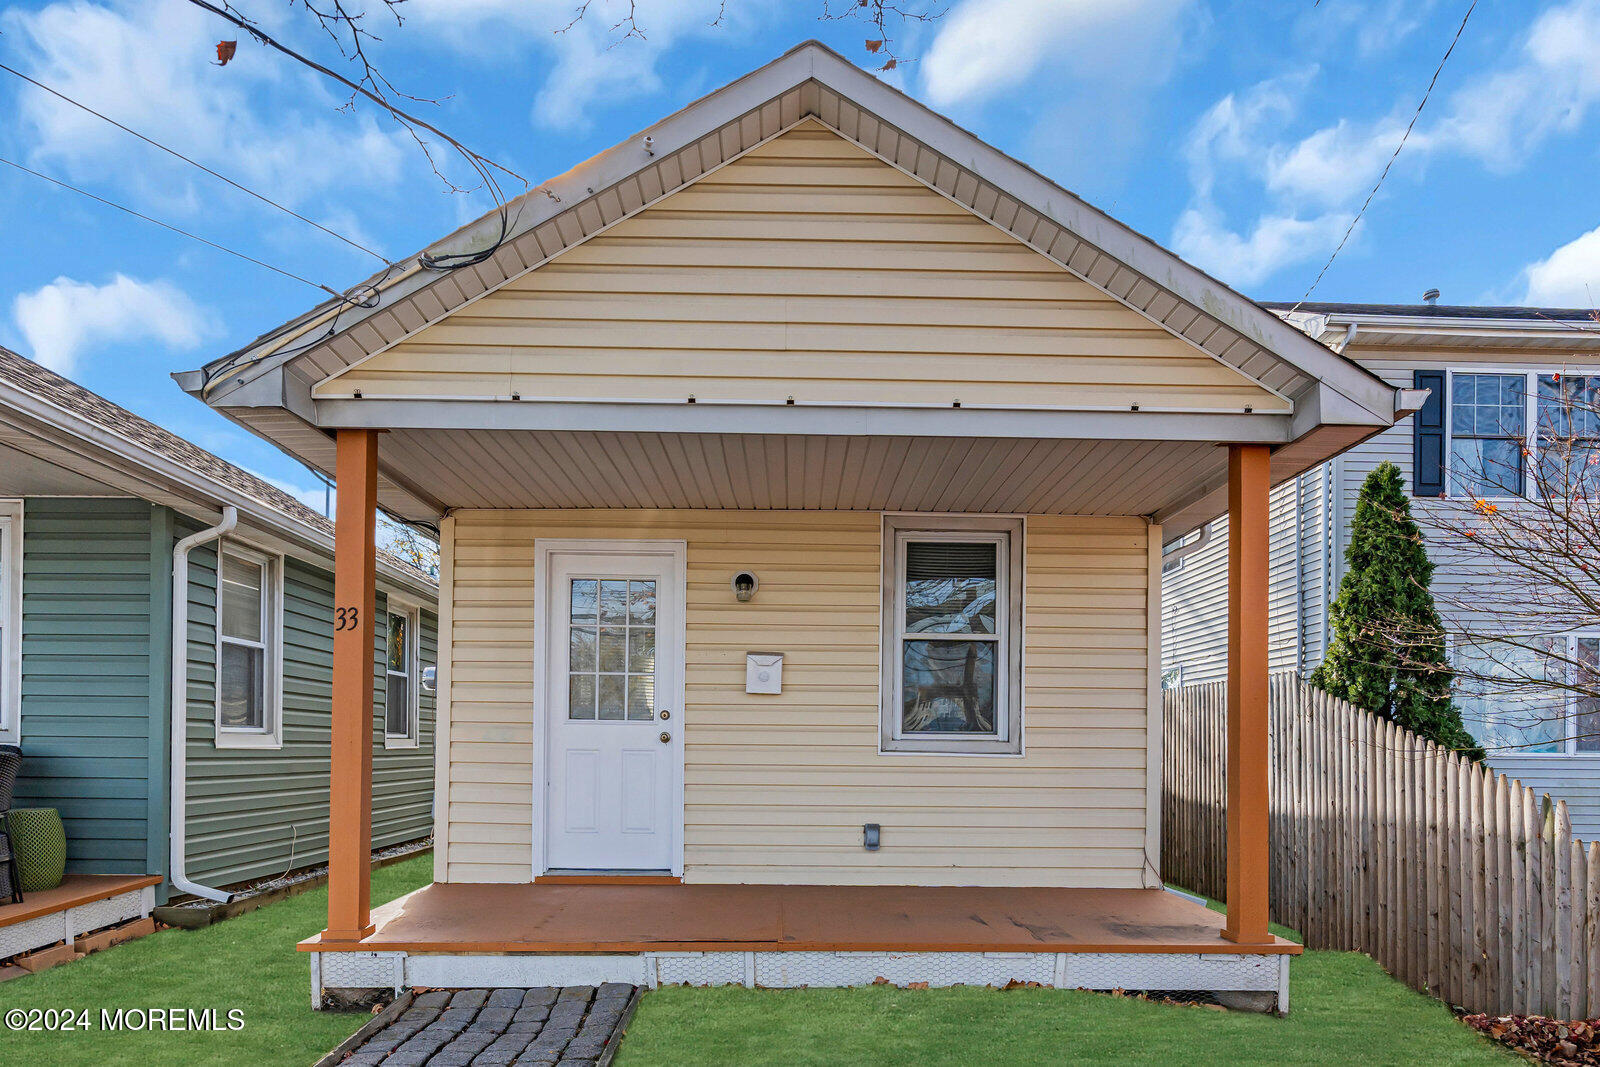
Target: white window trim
{"points": [[1569, 741], [270, 736], [413, 615], [1530, 419], [11, 622], [1007, 530]]}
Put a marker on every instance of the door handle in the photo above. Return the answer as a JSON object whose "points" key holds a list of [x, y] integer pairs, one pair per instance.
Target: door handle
{"points": [[665, 737]]}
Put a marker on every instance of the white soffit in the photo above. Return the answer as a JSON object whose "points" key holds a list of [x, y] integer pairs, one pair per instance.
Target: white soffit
{"points": [[814, 82]]}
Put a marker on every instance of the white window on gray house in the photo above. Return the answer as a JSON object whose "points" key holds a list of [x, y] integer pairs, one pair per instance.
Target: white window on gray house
{"points": [[953, 625], [1488, 431], [1568, 442], [10, 616], [1510, 713], [247, 649], [400, 676]]}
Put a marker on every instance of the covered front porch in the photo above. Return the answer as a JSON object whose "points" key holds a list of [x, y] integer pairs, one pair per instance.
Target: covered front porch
{"points": [[650, 932]]}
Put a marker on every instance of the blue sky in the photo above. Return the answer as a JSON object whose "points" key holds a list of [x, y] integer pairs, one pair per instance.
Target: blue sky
{"points": [[1242, 135]]}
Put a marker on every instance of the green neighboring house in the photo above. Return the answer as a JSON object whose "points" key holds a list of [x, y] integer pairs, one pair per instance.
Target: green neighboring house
{"points": [[111, 531]]}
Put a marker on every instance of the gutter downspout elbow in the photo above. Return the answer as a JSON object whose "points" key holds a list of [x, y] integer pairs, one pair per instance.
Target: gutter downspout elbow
{"points": [[178, 712], [1180, 550]]}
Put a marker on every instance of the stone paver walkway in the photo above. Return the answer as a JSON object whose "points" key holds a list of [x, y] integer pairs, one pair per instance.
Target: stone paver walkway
{"points": [[454, 1028]]}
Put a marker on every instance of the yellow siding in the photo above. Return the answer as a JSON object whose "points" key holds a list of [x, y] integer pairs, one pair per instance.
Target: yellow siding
{"points": [[805, 269], [777, 787]]}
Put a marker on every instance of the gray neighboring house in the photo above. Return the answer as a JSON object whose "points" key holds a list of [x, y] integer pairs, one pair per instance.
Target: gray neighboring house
{"points": [[110, 534], [1447, 349]]}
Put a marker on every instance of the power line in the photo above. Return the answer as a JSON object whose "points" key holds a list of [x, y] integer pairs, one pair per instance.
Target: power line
{"points": [[1403, 138], [168, 226], [173, 152]]}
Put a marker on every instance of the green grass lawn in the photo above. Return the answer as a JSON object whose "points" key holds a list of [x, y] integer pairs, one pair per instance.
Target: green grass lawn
{"points": [[1344, 1009], [247, 963]]}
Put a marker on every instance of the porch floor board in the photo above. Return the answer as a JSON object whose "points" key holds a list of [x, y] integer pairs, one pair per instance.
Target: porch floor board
{"points": [[566, 918], [74, 891]]}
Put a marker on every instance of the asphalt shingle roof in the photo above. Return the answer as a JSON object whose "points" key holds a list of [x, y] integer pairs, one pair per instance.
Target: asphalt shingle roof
{"points": [[31, 377]]}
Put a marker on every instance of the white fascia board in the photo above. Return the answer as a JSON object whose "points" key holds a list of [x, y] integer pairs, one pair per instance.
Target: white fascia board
{"points": [[109, 450], [778, 419]]}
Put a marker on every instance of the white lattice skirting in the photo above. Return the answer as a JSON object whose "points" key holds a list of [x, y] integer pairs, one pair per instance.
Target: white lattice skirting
{"points": [[71, 922], [1169, 972]]}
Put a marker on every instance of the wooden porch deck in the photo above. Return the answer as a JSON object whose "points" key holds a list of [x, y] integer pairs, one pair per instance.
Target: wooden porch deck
{"points": [[611, 918], [74, 891]]}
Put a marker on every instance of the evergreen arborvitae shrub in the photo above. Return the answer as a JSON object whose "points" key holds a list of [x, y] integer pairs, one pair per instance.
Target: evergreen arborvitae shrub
{"points": [[1388, 652]]}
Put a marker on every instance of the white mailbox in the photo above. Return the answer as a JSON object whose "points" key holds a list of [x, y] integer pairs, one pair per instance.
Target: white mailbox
{"points": [[763, 672]]}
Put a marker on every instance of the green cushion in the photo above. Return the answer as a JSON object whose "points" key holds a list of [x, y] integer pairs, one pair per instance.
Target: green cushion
{"points": [[40, 846]]}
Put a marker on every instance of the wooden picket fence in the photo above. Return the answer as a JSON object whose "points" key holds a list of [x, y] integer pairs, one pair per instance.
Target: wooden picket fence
{"points": [[1460, 882]]}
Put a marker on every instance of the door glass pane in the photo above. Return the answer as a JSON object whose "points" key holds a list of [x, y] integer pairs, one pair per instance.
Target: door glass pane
{"points": [[641, 697], [950, 587], [948, 687], [580, 696], [398, 643], [397, 706], [613, 601], [612, 696], [583, 600], [641, 602], [612, 665], [241, 598], [614, 648], [581, 655], [241, 687]]}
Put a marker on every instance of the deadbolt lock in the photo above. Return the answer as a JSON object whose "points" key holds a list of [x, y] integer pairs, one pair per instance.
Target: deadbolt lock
{"points": [[665, 714]]}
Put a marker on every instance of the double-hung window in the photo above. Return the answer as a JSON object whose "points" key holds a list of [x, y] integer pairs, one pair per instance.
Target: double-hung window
{"points": [[400, 678], [248, 713], [1507, 705], [10, 618], [1568, 444], [952, 663], [1488, 434]]}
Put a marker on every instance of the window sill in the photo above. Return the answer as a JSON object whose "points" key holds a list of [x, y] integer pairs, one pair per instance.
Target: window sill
{"points": [[239, 739], [940, 747], [400, 742]]}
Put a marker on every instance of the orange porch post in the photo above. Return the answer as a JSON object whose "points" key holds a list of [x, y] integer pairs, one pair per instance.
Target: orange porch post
{"points": [[350, 779], [1248, 484]]}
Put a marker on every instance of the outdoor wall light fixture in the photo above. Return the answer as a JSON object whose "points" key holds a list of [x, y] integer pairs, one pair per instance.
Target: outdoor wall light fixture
{"points": [[745, 585], [870, 834]]}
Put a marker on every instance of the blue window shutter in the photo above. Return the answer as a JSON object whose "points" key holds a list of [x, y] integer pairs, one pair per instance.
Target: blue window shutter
{"points": [[1427, 437]]}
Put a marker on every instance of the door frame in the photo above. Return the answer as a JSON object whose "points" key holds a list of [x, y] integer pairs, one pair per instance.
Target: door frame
{"points": [[676, 625]]}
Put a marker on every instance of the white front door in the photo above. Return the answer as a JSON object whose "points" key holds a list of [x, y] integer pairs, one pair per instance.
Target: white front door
{"points": [[613, 671]]}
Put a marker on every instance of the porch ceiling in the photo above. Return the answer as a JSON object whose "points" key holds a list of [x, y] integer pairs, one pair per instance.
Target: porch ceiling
{"points": [[580, 469]]}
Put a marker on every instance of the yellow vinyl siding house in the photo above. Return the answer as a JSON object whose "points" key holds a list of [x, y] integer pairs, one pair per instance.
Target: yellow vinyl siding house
{"points": [[802, 467]]}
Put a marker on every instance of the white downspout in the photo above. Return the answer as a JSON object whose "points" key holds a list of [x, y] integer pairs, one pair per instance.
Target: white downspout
{"points": [[179, 712]]}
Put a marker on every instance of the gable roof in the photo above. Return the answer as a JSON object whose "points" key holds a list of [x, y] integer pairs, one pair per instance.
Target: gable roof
{"points": [[810, 81], [67, 406]]}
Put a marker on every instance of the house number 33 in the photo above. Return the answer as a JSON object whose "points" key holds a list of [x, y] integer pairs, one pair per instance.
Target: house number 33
{"points": [[346, 618]]}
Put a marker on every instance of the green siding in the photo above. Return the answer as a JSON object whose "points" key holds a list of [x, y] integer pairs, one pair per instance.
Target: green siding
{"points": [[92, 669], [255, 813]]}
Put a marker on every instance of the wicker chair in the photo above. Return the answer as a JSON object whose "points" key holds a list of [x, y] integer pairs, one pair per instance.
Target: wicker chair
{"points": [[10, 879]]}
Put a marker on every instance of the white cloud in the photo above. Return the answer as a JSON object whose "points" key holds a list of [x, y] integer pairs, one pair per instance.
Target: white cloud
{"points": [[1568, 277], [1547, 85], [1275, 242], [985, 47], [593, 59], [63, 319], [146, 64]]}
